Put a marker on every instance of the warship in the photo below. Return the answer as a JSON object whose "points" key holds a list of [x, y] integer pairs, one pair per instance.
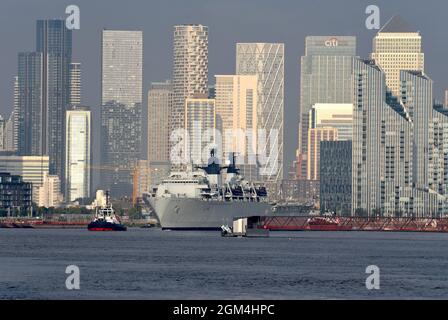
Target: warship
{"points": [[201, 198]]}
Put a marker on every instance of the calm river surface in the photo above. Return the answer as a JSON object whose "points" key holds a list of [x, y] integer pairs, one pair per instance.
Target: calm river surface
{"points": [[156, 264]]}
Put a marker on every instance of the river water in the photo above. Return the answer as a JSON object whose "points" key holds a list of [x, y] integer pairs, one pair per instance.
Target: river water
{"points": [[156, 264]]}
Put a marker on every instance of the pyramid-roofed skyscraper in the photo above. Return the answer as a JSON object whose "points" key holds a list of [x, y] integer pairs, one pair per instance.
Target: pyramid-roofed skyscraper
{"points": [[397, 46]]}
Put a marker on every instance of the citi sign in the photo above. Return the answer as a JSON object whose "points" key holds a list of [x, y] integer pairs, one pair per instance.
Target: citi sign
{"points": [[333, 42]]}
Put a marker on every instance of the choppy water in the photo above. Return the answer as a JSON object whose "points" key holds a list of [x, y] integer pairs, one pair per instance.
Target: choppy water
{"points": [[155, 264]]}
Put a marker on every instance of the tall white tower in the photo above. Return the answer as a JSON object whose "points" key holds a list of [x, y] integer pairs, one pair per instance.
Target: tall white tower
{"points": [[78, 153], [190, 69]]}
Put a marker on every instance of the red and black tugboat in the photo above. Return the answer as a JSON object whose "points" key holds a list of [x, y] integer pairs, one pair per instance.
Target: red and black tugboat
{"points": [[106, 219]]}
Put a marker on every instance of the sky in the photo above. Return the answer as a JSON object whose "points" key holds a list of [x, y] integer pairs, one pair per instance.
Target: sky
{"points": [[229, 22]]}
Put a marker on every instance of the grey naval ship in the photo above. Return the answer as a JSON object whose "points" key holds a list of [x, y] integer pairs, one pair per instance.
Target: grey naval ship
{"points": [[200, 198]]}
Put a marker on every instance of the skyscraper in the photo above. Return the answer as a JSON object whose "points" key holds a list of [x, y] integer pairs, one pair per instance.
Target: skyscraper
{"points": [[120, 146], [326, 77], [416, 97], [75, 84], [122, 67], [54, 43], [122, 55], [266, 61], [200, 123], [32, 111], [190, 69], [159, 106], [236, 113], [397, 47], [11, 133], [78, 153]]}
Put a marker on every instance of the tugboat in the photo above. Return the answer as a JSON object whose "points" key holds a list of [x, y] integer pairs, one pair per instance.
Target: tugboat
{"points": [[106, 219]]}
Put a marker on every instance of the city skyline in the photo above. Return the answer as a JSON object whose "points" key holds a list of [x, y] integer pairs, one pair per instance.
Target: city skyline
{"points": [[222, 40]]}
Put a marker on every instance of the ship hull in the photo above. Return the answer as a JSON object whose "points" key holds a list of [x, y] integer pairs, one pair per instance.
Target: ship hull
{"points": [[196, 214], [105, 226]]}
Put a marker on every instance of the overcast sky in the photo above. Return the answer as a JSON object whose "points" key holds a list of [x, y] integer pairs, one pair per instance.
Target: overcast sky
{"points": [[229, 21]]}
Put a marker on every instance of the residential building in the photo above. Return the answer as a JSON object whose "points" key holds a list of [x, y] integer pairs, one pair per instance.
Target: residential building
{"points": [[190, 71], [32, 169], [15, 195]]}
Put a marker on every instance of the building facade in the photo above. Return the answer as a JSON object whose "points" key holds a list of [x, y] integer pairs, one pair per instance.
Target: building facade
{"points": [[15, 195], [2, 133], [266, 61], [200, 125], [335, 179], [326, 77], [32, 169], [236, 120], [120, 147], [335, 115], [315, 136], [190, 70], [397, 47], [32, 112], [159, 107], [122, 67], [54, 43], [122, 63], [11, 125], [141, 180], [78, 153], [390, 177], [49, 194], [75, 84]]}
